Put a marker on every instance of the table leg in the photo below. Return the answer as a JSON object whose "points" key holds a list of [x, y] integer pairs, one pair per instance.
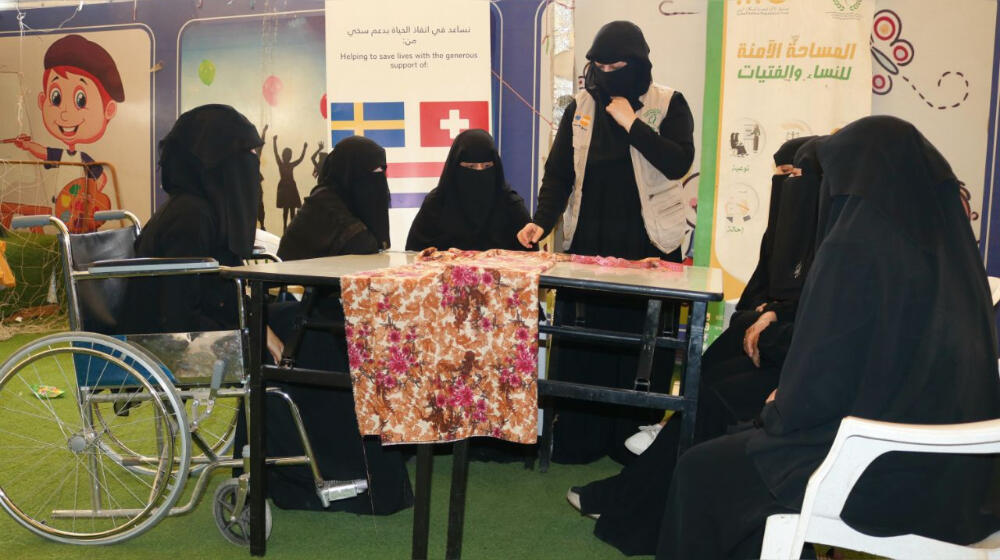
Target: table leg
{"points": [[692, 373], [648, 349], [456, 507], [255, 429], [422, 499]]}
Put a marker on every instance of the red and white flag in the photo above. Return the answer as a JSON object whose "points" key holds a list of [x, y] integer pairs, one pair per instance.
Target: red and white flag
{"points": [[442, 121]]}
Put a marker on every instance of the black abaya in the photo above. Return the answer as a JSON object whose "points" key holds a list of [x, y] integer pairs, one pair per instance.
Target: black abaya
{"points": [[470, 209], [611, 224], [893, 232]]}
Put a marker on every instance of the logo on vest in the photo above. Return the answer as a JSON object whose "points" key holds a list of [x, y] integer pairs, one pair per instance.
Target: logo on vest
{"points": [[582, 121], [650, 116]]}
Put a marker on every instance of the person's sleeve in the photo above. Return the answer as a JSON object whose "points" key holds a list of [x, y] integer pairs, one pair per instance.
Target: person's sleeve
{"points": [[785, 310], [837, 326], [362, 243], [557, 182], [182, 300], [517, 217], [671, 149]]}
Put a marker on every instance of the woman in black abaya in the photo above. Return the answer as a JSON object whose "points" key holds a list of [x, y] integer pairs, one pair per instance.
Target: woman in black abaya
{"points": [[347, 213], [893, 232], [610, 223], [733, 387], [473, 207]]}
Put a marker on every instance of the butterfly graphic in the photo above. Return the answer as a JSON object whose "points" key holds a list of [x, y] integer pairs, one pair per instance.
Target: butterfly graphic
{"points": [[886, 38]]}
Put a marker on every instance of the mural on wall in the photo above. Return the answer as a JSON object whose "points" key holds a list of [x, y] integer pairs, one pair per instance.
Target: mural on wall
{"points": [[63, 100], [271, 68], [922, 74]]}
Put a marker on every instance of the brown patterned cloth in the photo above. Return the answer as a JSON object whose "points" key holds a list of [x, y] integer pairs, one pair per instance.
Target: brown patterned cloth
{"points": [[446, 348]]}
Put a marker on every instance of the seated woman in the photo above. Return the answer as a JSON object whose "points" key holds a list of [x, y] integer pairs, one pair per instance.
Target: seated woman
{"points": [[210, 168], [346, 213], [734, 382], [472, 207], [892, 232]]}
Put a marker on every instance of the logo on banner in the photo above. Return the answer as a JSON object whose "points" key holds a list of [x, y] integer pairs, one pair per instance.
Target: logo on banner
{"points": [[442, 121], [740, 207], [383, 122]]}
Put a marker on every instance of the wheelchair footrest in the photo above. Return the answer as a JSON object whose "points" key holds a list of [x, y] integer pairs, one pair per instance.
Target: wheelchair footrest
{"points": [[334, 490]]}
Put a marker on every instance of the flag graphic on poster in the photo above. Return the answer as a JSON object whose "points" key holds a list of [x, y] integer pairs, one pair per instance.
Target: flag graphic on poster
{"points": [[442, 121], [383, 122]]}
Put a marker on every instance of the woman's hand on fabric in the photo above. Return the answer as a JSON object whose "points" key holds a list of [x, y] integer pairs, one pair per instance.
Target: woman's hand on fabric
{"points": [[772, 396], [621, 110], [529, 235], [275, 346], [752, 336]]}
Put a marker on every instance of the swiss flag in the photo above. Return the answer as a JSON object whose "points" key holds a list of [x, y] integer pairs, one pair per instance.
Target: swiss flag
{"points": [[441, 121]]}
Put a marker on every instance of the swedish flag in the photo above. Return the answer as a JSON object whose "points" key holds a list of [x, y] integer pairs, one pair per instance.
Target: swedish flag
{"points": [[382, 122]]}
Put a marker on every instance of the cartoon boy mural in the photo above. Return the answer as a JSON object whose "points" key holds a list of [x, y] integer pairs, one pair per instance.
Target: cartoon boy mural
{"points": [[80, 88]]}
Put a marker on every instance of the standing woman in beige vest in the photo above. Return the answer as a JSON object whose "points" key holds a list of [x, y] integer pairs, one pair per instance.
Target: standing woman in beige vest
{"points": [[612, 174]]}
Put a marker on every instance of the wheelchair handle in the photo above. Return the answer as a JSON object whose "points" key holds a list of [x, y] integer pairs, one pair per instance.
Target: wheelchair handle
{"points": [[105, 215], [22, 222]]}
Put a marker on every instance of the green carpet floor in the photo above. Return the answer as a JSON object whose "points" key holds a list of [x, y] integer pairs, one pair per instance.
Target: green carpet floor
{"points": [[511, 513]]}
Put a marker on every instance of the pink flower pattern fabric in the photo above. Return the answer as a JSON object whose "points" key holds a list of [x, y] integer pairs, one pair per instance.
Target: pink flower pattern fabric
{"points": [[446, 348]]}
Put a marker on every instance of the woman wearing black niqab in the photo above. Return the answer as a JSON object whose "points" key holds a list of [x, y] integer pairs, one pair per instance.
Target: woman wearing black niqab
{"points": [[621, 134], [733, 385], [210, 168], [348, 211], [895, 323], [473, 207]]}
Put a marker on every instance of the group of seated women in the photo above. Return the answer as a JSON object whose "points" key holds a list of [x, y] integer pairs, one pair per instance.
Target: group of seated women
{"points": [[870, 299]]}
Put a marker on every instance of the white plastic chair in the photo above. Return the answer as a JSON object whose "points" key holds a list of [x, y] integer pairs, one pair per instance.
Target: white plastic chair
{"points": [[858, 443]]}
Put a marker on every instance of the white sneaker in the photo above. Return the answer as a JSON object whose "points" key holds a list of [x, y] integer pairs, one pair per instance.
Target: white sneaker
{"points": [[574, 500], [641, 440]]}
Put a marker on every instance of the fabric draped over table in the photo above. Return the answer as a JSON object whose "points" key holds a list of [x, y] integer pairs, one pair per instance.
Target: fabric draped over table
{"points": [[446, 348]]}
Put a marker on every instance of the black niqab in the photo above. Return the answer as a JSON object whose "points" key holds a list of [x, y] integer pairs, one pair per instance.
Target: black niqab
{"points": [[895, 324], [208, 154], [349, 171], [470, 209], [794, 242], [756, 290]]}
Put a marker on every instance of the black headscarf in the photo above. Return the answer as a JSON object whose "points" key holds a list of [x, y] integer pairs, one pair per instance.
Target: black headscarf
{"points": [[348, 211], [619, 41], [470, 209], [794, 242], [208, 154], [895, 324], [757, 289], [349, 171]]}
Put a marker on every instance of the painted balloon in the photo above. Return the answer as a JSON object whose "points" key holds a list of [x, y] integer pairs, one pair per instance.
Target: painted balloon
{"points": [[271, 89], [206, 71], [322, 106]]}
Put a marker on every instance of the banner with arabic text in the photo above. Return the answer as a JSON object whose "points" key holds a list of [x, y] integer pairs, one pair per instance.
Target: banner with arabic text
{"points": [[790, 68]]}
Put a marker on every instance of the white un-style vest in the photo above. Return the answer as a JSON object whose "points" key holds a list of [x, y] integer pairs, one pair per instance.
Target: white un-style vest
{"points": [[662, 204]]}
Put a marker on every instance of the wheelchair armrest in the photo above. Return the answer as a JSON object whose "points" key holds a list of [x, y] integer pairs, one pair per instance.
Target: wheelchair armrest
{"points": [[152, 267]]}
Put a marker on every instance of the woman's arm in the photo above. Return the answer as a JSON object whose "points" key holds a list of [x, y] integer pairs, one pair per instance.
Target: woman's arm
{"points": [[671, 150], [557, 182]]}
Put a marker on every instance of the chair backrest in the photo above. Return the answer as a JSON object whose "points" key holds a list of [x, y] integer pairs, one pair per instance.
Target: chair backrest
{"points": [[100, 301]]}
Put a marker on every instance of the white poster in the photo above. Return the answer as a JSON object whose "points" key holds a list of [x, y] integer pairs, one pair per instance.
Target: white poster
{"points": [[932, 65], [675, 32], [411, 75], [789, 69]]}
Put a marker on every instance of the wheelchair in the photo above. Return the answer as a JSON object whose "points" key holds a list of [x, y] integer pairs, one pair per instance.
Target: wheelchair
{"points": [[99, 433]]}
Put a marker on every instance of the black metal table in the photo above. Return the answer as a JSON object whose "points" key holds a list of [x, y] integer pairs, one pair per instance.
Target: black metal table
{"points": [[696, 285]]}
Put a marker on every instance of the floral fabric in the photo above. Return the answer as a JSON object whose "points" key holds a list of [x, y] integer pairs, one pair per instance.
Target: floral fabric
{"points": [[446, 348]]}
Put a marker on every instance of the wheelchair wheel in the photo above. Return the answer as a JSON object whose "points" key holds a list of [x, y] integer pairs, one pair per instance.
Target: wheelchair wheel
{"points": [[56, 479], [235, 526]]}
